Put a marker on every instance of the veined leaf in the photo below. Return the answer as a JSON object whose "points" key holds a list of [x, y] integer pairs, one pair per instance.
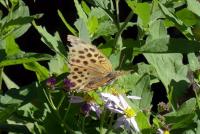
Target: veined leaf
{"points": [[23, 58]]}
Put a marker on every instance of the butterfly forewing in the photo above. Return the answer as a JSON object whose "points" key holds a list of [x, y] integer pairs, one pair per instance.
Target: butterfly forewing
{"points": [[87, 55], [89, 68]]}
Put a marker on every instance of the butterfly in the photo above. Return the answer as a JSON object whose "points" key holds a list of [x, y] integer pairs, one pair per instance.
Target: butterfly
{"points": [[89, 68]]}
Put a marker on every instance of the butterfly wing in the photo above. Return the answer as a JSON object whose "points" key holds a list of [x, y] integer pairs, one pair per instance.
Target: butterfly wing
{"points": [[87, 55], [87, 64]]}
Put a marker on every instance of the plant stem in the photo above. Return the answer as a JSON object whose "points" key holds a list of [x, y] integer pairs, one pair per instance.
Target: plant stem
{"points": [[110, 124], [102, 121], [1, 73], [121, 29], [61, 101], [56, 113], [83, 125]]}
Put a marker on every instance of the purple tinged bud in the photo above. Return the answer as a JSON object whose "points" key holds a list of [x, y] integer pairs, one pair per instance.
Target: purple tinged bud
{"points": [[51, 82], [68, 84], [86, 108]]}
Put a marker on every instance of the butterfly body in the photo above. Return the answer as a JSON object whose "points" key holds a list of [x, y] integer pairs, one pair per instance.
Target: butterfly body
{"points": [[89, 68]]}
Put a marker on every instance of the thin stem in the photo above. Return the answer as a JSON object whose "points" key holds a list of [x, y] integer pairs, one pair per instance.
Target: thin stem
{"points": [[110, 124], [49, 100], [117, 14], [102, 121], [56, 113], [1, 73], [66, 113], [61, 101], [128, 18], [83, 125]]}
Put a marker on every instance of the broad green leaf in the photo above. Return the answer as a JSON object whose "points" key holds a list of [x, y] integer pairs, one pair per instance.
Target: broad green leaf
{"points": [[183, 116], [83, 30], [158, 38], [194, 6], [198, 127], [104, 4], [23, 58], [171, 72], [80, 11], [143, 123], [85, 7], [53, 42], [9, 83], [193, 62], [142, 89], [7, 112], [115, 60], [187, 107], [17, 21], [57, 65], [11, 47], [105, 28], [180, 25], [106, 48], [142, 10], [41, 72], [92, 24], [187, 17], [14, 128]]}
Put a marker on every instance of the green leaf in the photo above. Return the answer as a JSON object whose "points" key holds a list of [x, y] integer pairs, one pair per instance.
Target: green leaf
{"points": [[193, 62], [57, 65], [180, 25], [14, 128], [194, 6], [183, 116], [23, 58], [9, 83], [142, 89], [187, 17], [104, 4], [92, 25], [85, 7], [70, 28], [80, 11], [41, 72], [105, 28], [115, 59], [187, 107], [11, 46], [83, 30], [142, 10], [53, 42], [158, 38], [198, 127], [7, 112], [143, 123], [171, 72], [19, 25]]}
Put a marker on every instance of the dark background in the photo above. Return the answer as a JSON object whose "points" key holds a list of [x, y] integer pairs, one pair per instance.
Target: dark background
{"points": [[30, 41]]}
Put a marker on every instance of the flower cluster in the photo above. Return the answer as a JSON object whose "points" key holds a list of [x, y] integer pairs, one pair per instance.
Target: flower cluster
{"points": [[114, 102]]}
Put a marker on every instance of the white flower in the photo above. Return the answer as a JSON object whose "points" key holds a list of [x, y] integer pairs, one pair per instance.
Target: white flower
{"points": [[160, 131], [117, 104], [88, 105]]}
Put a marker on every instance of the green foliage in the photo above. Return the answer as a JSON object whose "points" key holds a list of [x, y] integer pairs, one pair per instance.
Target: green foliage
{"points": [[43, 106]]}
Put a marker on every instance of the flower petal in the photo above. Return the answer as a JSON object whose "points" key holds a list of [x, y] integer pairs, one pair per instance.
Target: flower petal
{"points": [[123, 102], [119, 122], [134, 97], [134, 124], [75, 99]]}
